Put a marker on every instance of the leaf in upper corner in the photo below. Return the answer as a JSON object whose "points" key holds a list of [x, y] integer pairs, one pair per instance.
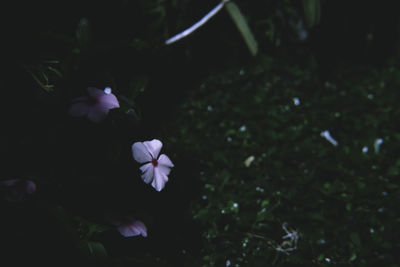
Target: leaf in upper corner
{"points": [[243, 27], [312, 12]]}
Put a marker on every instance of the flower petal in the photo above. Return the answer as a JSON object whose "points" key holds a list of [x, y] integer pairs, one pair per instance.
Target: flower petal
{"points": [[97, 114], [94, 92], [164, 169], [109, 101], [160, 178], [164, 160], [133, 228], [147, 172], [78, 109], [17, 190], [154, 146], [140, 152]]}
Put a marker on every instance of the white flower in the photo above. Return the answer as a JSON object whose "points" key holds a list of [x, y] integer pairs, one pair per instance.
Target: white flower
{"points": [[155, 169], [326, 134]]}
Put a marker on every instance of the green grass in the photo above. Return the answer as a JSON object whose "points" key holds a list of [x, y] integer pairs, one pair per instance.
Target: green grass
{"points": [[341, 201]]}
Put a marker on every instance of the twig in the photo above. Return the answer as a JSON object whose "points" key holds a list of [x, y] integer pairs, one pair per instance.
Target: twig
{"points": [[198, 24]]}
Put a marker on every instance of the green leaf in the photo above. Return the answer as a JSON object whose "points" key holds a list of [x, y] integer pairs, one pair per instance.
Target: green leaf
{"points": [[96, 249], [243, 27], [312, 12]]}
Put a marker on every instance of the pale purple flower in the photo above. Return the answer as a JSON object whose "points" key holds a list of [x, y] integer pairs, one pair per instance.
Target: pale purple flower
{"points": [[95, 106], [155, 169], [127, 226], [130, 227], [17, 190]]}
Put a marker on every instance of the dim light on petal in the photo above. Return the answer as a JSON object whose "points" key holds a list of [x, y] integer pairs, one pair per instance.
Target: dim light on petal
{"points": [[164, 160], [140, 152], [147, 172], [132, 228], [154, 146], [94, 92], [96, 106], [160, 179]]}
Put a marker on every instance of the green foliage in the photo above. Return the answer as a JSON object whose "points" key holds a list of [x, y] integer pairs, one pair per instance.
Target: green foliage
{"points": [[242, 26], [312, 12], [339, 199]]}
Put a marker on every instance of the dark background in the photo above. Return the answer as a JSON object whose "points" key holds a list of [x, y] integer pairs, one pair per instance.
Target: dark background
{"points": [[87, 169]]}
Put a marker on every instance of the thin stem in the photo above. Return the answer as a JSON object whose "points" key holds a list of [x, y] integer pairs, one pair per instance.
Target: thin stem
{"points": [[198, 24]]}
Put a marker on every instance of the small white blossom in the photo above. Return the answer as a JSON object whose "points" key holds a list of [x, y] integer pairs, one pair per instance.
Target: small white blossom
{"points": [[325, 134], [377, 144], [155, 169], [248, 161]]}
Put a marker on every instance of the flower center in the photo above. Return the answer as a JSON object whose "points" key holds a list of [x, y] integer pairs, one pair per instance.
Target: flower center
{"points": [[154, 162]]}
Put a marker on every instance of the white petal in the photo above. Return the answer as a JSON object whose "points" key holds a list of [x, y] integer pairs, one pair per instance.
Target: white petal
{"points": [[140, 152], [110, 101], [154, 146], [164, 169], [164, 160], [159, 179], [147, 172]]}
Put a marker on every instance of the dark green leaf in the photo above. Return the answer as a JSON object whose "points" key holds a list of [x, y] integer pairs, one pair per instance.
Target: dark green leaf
{"points": [[243, 27]]}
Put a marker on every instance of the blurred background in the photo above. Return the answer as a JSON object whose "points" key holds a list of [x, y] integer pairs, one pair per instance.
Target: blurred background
{"points": [[280, 118]]}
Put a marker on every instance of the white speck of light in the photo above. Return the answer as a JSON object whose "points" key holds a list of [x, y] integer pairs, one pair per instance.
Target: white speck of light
{"points": [[321, 242], [325, 134], [259, 189], [327, 259], [296, 101], [235, 205], [377, 144], [243, 128], [229, 139], [371, 96], [249, 160], [365, 149], [107, 90], [209, 108], [228, 263], [384, 193], [204, 197], [241, 72], [372, 230], [223, 211]]}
